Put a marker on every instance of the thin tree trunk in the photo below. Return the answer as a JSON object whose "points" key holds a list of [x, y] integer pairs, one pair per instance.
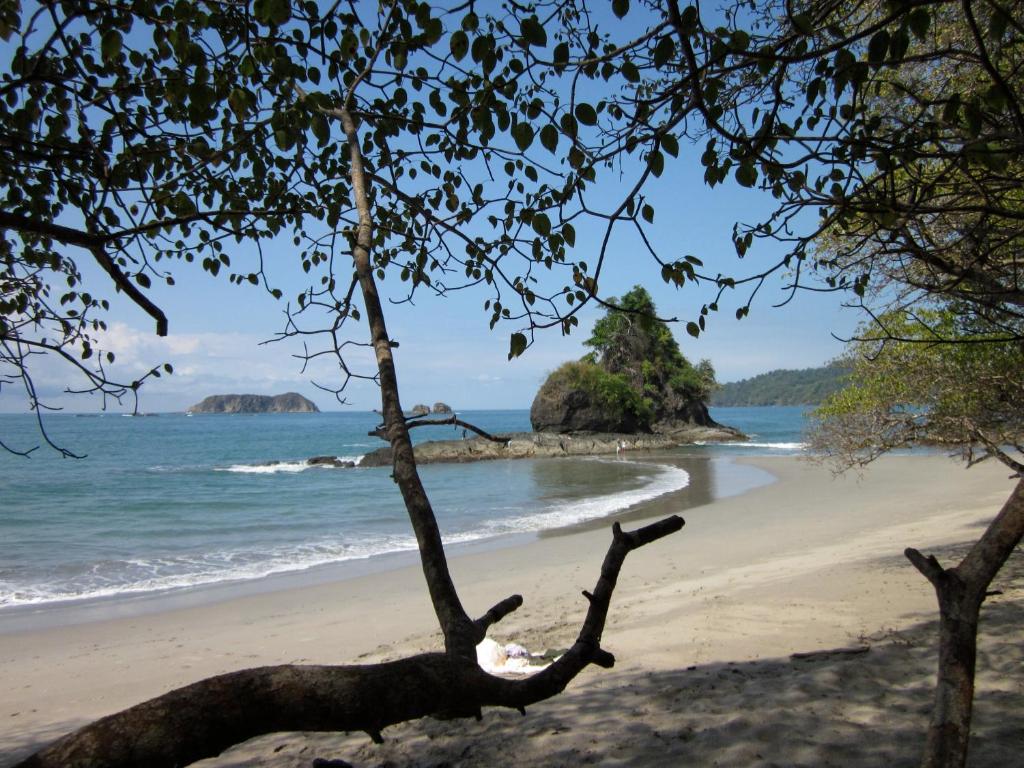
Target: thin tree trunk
{"points": [[203, 719], [961, 591]]}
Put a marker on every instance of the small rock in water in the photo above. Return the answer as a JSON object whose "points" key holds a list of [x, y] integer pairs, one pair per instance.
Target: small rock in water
{"points": [[331, 461]]}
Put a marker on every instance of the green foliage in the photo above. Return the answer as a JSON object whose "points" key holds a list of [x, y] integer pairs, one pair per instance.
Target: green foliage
{"points": [[633, 342], [808, 386], [611, 391], [933, 379]]}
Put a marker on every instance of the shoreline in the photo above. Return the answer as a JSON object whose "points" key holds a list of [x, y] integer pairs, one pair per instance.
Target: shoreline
{"points": [[806, 563], [703, 487]]}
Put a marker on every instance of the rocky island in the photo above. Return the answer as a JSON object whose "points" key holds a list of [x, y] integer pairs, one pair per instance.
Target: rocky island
{"points": [[634, 391], [635, 380], [289, 402]]}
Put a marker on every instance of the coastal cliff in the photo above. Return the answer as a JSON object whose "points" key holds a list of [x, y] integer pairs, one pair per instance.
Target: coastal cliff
{"points": [[289, 402]]}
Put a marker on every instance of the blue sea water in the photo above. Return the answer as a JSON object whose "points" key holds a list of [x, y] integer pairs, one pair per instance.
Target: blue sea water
{"points": [[173, 502]]}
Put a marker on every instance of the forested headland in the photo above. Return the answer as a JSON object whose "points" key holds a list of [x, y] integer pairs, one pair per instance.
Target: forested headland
{"points": [[806, 386]]}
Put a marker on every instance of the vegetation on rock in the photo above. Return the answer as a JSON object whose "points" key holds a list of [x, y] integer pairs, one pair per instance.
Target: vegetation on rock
{"points": [[289, 402], [635, 379], [582, 396]]}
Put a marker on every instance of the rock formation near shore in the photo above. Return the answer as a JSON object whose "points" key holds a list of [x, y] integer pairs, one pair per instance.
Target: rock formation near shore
{"points": [[420, 410], [289, 402], [635, 381], [522, 445], [441, 408]]}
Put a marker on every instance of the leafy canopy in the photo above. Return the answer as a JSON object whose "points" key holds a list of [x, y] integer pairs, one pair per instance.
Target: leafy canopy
{"points": [[930, 378], [630, 340]]}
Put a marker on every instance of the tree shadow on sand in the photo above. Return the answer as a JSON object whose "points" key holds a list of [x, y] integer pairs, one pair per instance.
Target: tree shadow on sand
{"points": [[839, 709]]}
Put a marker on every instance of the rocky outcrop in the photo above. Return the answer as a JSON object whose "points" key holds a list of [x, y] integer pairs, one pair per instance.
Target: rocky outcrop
{"points": [[635, 380], [441, 408], [330, 461], [290, 402], [562, 408], [678, 413], [523, 445], [420, 410]]}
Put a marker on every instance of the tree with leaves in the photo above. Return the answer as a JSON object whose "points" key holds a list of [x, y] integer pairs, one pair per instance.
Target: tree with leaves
{"points": [[153, 135], [888, 134], [932, 377]]}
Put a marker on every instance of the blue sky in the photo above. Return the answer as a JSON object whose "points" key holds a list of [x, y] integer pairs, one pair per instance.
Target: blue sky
{"points": [[446, 350]]}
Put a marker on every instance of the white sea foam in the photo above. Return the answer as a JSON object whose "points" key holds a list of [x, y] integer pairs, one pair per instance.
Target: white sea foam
{"points": [[159, 574], [754, 444], [666, 480], [282, 466], [168, 573]]}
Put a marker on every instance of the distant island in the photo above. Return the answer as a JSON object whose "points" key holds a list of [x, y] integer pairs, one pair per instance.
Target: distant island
{"points": [[807, 386], [289, 402]]}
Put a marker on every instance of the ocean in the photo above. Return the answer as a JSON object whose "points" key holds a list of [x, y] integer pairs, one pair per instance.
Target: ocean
{"points": [[174, 503]]}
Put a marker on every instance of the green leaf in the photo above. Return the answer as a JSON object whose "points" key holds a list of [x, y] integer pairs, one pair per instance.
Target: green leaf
{"points": [[664, 51], [517, 345], [321, 129], [803, 25], [630, 72], [919, 21], [238, 101], [656, 162], [549, 137], [878, 47], [142, 279], [569, 126], [522, 133], [532, 31], [997, 26], [561, 54], [272, 12], [620, 7], [670, 144], [459, 44], [586, 114], [569, 234], [647, 211], [110, 46], [693, 329], [541, 224], [746, 174]]}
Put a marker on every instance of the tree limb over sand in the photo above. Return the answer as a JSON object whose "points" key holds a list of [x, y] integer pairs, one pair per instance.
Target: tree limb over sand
{"points": [[203, 719]]}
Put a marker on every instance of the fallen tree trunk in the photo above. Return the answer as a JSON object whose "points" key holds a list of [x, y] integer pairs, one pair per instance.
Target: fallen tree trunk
{"points": [[203, 719]]}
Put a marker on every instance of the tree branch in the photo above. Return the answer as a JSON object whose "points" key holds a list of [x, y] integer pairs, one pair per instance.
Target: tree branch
{"points": [[382, 434], [205, 718]]}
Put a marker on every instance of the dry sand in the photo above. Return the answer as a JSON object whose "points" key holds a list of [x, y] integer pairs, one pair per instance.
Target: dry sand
{"points": [[702, 624]]}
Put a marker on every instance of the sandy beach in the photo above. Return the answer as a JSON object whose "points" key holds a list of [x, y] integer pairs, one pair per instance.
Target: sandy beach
{"points": [[703, 626]]}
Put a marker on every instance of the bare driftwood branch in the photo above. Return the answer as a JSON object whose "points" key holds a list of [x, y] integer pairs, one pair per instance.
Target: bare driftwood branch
{"points": [[205, 718]]}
